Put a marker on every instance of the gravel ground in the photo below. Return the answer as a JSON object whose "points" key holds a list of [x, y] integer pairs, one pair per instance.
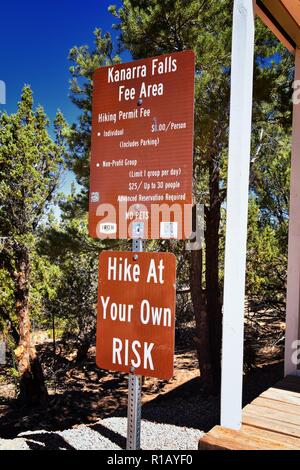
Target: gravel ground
{"points": [[107, 434], [13, 444]]}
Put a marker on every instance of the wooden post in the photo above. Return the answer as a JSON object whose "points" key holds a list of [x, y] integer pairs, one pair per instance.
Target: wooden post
{"points": [[237, 211], [293, 277]]}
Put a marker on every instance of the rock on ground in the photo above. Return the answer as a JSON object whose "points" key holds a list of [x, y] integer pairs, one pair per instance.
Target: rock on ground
{"points": [[106, 434]]}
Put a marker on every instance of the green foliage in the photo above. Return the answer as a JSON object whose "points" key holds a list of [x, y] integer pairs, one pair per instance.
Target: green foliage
{"points": [[30, 168], [66, 244], [268, 220], [84, 63], [44, 281], [30, 163], [63, 258], [6, 300], [154, 27], [74, 256], [76, 295], [270, 175], [266, 266]]}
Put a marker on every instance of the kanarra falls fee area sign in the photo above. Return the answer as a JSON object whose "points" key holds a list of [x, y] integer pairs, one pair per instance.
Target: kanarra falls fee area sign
{"points": [[142, 149], [136, 313], [140, 188]]}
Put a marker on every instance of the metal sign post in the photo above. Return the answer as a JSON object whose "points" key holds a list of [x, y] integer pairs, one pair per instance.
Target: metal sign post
{"points": [[134, 412], [136, 126], [134, 390], [126, 340]]}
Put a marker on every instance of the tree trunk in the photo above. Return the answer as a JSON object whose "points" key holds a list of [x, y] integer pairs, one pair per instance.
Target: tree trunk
{"points": [[87, 333], [12, 329], [32, 386], [214, 306], [202, 330], [82, 350]]}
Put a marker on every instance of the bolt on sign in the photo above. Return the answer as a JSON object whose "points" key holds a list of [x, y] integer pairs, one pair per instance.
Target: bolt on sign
{"points": [[136, 313], [142, 149]]}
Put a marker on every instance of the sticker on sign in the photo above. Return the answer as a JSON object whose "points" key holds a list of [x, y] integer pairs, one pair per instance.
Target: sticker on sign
{"points": [[108, 228], [136, 313], [168, 229]]}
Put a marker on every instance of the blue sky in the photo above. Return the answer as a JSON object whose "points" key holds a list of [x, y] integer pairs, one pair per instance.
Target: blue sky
{"points": [[35, 39]]}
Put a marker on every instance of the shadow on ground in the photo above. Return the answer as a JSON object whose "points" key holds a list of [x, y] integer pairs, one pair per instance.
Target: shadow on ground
{"points": [[44, 441], [84, 394], [185, 405]]}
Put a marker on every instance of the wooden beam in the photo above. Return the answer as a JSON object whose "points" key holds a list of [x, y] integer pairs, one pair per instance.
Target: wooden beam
{"points": [[284, 17], [293, 7], [275, 30], [237, 211]]}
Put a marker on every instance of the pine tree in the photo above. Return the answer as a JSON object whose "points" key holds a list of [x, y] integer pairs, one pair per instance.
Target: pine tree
{"points": [[151, 28], [84, 63], [30, 165]]}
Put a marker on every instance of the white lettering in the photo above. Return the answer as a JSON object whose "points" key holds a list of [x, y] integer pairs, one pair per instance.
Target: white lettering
{"points": [[142, 353], [151, 90], [104, 305], [155, 315], [116, 351], [145, 317], [152, 274], [137, 362], [147, 356], [128, 73], [122, 270], [112, 268]]}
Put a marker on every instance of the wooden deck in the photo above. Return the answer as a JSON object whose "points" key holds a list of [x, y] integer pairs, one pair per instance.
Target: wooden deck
{"points": [[270, 422]]}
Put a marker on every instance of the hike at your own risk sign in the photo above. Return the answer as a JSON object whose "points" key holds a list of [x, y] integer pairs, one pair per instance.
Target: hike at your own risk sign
{"points": [[142, 149], [136, 313]]}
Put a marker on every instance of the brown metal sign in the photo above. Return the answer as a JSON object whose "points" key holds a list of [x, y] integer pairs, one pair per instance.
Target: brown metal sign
{"points": [[136, 313], [142, 149]]}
